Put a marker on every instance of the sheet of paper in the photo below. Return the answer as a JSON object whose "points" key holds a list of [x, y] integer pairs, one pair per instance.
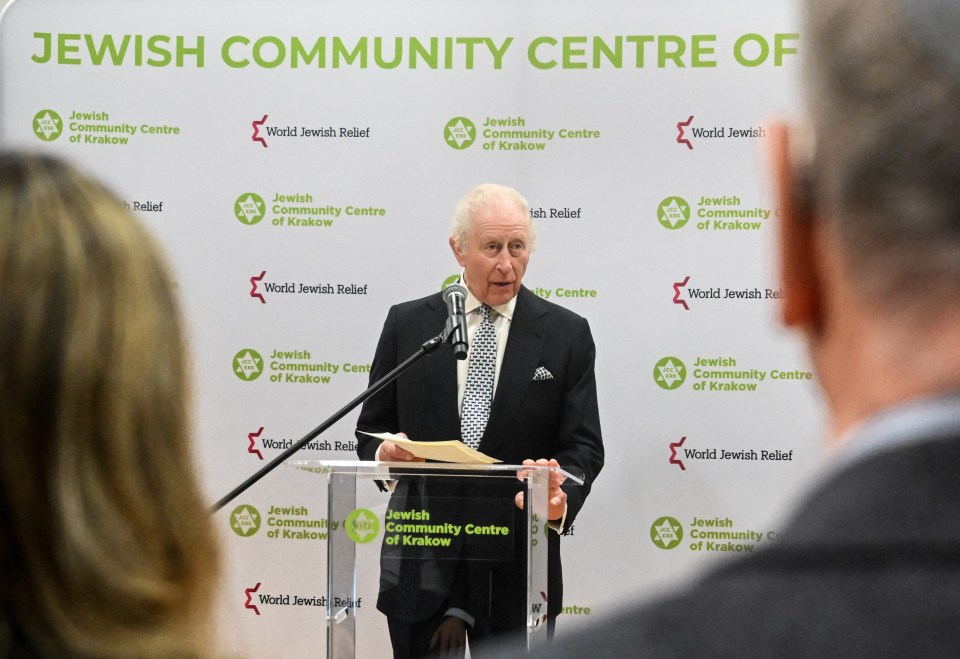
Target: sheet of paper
{"points": [[446, 451]]}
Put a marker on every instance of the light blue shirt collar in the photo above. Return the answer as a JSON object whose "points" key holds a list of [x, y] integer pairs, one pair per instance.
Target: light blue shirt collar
{"points": [[904, 424]]}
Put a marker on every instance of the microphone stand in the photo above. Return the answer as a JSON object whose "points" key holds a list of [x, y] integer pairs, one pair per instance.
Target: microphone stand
{"points": [[425, 349]]}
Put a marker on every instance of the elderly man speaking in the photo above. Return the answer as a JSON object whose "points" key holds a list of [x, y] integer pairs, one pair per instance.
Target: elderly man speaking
{"points": [[527, 391]]}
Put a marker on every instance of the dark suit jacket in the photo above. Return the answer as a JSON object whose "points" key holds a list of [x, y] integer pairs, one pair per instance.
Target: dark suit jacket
{"points": [[554, 418], [869, 567]]}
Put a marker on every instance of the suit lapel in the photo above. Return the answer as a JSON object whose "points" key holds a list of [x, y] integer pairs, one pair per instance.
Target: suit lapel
{"points": [[442, 371], [520, 361]]}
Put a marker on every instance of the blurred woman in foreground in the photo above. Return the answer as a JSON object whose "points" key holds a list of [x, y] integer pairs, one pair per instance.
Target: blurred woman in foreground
{"points": [[106, 546]]}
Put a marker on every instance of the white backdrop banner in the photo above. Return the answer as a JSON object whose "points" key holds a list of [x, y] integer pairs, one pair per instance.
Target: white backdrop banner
{"points": [[300, 162]]}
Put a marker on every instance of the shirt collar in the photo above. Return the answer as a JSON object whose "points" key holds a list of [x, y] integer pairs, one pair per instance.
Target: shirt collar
{"points": [[472, 303], [898, 426], [904, 423]]}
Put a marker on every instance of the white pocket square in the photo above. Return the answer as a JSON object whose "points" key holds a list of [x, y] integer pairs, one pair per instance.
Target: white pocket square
{"points": [[542, 374]]}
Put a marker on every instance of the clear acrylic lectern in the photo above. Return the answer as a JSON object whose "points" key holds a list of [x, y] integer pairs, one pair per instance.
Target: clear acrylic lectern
{"points": [[431, 515]]}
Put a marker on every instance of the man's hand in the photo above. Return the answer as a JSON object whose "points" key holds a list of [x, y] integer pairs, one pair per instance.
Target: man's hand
{"points": [[390, 452], [450, 639], [557, 498]]}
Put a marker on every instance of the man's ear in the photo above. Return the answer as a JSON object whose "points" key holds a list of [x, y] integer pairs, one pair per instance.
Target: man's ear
{"points": [[456, 251], [798, 248]]}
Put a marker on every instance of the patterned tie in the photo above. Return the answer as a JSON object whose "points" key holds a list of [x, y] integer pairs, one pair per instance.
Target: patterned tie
{"points": [[478, 393]]}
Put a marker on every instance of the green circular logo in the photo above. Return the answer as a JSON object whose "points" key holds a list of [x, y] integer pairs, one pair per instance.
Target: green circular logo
{"points": [[666, 533], [673, 212], [248, 364], [47, 125], [245, 520], [362, 526], [460, 133], [452, 279], [669, 373], [249, 208]]}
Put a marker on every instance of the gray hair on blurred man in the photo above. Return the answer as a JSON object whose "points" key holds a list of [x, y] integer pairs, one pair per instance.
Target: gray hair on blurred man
{"points": [[869, 187]]}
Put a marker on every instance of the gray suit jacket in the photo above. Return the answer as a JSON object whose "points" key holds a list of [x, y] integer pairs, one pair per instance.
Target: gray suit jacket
{"points": [[869, 567], [552, 418]]}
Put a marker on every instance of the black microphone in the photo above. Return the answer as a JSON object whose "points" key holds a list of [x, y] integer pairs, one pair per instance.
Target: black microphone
{"points": [[455, 295]]}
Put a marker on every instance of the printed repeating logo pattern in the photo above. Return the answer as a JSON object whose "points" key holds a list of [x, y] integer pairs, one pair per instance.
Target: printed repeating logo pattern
{"points": [[673, 212], [460, 133], [666, 532], [47, 125], [669, 373], [245, 520], [248, 364]]}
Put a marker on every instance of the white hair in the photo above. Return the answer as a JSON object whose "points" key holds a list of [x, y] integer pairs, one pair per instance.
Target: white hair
{"points": [[487, 195]]}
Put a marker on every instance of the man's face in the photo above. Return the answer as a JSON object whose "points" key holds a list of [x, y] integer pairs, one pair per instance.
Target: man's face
{"points": [[495, 253]]}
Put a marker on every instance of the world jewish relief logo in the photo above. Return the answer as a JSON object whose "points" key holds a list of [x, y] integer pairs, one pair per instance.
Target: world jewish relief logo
{"points": [[257, 137], [666, 532], [460, 133], [674, 456], [245, 520], [673, 212], [254, 286], [249, 208], [252, 446], [249, 603], [247, 364], [677, 285], [47, 125], [682, 138], [669, 373]]}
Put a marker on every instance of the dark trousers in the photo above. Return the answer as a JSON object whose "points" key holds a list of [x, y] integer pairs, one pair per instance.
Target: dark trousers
{"points": [[411, 640], [490, 642]]}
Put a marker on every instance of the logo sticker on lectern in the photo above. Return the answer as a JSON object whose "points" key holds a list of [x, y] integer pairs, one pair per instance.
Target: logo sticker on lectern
{"points": [[362, 526]]}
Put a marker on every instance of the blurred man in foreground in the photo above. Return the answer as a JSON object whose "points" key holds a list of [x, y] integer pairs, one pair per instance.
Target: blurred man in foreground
{"points": [[869, 566]]}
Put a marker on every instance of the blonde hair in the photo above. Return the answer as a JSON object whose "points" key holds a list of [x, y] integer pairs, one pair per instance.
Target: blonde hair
{"points": [[106, 547]]}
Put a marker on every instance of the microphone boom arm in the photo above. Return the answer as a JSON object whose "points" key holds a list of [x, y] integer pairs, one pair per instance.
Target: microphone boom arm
{"points": [[425, 349]]}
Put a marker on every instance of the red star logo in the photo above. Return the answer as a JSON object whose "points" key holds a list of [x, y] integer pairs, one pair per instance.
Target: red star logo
{"points": [[680, 126], [256, 131], [673, 453]]}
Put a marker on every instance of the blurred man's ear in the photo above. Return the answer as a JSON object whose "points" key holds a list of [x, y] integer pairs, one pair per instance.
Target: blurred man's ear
{"points": [[797, 245]]}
